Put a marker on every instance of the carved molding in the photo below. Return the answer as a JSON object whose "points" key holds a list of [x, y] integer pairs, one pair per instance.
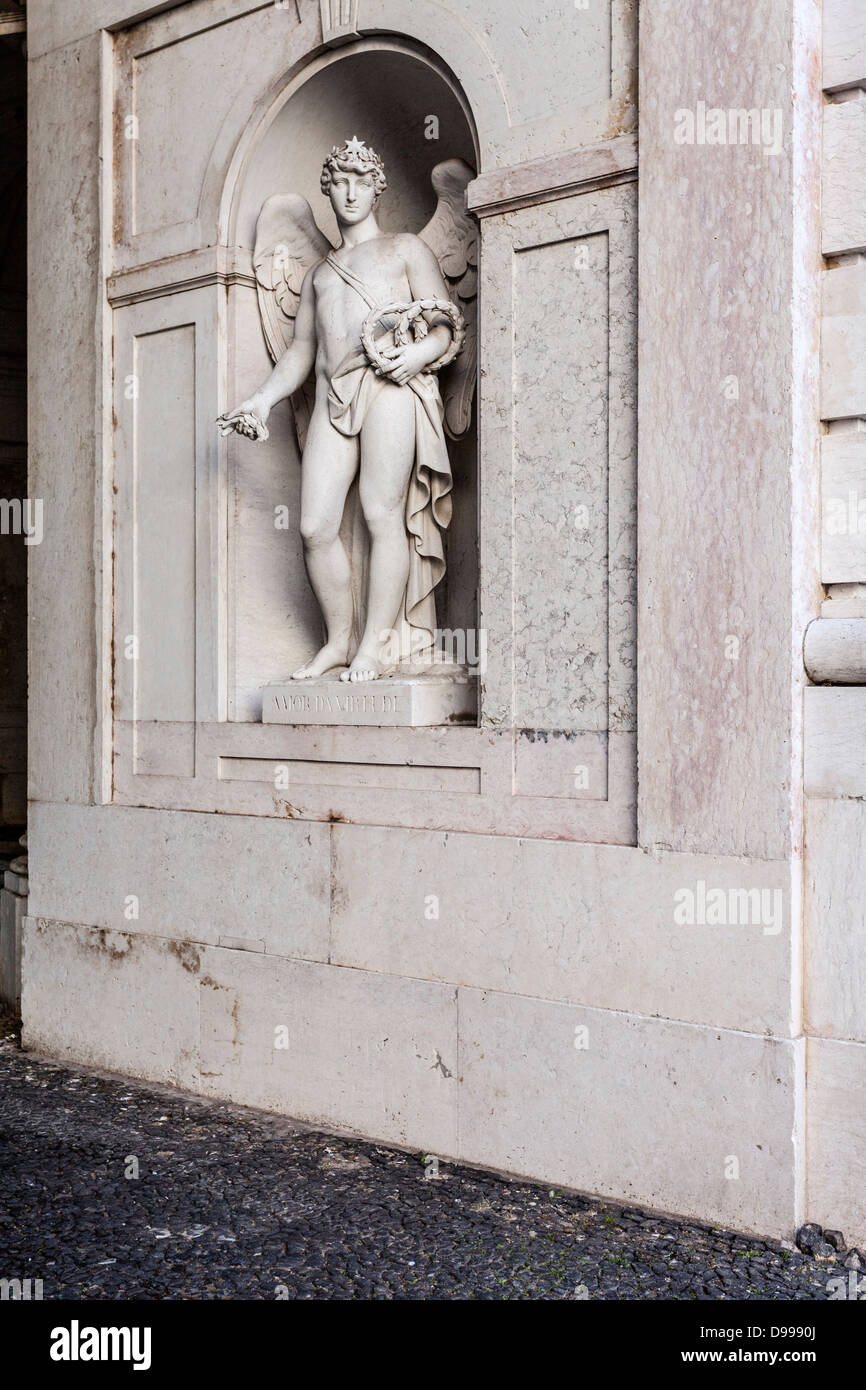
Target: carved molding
{"points": [[214, 265], [834, 763], [340, 20], [843, 184], [844, 44], [556, 176], [834, 651]]}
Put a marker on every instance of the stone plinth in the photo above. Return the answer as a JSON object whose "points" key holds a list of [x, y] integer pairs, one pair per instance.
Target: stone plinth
{"points": [[397, 700]]}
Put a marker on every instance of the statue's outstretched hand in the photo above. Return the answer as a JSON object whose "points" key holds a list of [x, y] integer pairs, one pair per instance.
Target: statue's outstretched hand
{"points": [[249, 419]]}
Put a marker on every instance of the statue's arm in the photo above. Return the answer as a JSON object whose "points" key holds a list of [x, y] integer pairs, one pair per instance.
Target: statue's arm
{"points": [[287, 377], [296, 363], [426, 282]]}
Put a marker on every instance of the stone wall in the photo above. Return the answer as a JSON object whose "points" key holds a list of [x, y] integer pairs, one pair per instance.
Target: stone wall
{"points": [[567, 942], [835, 751]]}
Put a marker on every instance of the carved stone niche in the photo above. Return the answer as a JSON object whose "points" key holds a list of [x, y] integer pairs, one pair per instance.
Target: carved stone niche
{"points": [[402, 103]]}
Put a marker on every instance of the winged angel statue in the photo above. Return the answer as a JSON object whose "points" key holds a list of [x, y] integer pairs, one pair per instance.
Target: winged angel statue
{"points": [[358, 334]]}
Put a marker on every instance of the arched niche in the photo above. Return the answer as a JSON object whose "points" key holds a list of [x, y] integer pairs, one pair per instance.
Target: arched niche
{"points": [[395, 97]]}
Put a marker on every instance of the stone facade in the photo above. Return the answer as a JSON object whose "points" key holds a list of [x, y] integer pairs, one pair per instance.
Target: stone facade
{"points": [[568, 940]]}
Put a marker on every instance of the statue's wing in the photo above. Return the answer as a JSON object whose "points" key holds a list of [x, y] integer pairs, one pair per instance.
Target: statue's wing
{"points": [[452, 235], [288, 244]]}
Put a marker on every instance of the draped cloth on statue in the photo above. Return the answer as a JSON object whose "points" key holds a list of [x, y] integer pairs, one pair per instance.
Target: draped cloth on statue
{"points": [[353, 389]]}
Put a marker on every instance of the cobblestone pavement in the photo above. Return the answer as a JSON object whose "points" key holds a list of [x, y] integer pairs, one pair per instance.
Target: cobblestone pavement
{"points": [[233, 1204]]}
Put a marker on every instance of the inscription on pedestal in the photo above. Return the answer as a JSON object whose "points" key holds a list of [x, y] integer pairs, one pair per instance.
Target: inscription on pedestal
{"points": [[343, 707], [405, 701]]}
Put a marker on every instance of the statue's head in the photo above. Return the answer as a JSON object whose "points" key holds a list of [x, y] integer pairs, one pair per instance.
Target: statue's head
{"points": [[353, 177]]}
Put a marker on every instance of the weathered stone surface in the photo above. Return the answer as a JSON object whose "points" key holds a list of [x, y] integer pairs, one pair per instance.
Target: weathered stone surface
{"points": [[587, 924], [64, 370], [353, 1049], [843, 504], [844, 44], [126, 1003], [50, 27], [724, 290], [426, 1064], [182, 876], [836, 1135], [843, 342], [539, 1109], [835, 918], [834, 650], [834, 752], [843, 192], [558, 585]]}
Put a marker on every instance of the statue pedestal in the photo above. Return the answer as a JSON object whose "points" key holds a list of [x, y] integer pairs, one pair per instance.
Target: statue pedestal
{"points": [[404, 701]]}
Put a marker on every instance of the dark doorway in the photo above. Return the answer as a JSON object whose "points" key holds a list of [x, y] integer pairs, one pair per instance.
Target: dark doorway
{"points": [[13, 481]]}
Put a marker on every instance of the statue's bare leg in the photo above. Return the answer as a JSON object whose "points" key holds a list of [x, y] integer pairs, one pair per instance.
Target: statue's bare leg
{"points": [[329, 465], [387, 456]]}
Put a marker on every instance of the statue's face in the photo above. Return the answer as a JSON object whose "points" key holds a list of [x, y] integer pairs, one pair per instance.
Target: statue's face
{"points": [[352, 194]]}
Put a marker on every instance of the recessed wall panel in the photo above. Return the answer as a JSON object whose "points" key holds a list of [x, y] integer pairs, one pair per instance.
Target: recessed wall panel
{"points": [[164, 525], [560, 484]]}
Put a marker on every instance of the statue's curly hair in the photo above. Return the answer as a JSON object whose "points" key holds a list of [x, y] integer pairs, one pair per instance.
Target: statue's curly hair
{"points": [[354, 155]]}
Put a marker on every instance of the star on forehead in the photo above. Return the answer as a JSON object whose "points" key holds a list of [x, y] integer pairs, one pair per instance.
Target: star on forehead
{"points": [[356, 147]]}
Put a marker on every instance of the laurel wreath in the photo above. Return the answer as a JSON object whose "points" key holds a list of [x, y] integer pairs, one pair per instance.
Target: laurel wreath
{"points": [[410, 321]]}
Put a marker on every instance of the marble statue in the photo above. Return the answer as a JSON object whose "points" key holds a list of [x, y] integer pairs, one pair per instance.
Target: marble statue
{"points": [[358, 334]]}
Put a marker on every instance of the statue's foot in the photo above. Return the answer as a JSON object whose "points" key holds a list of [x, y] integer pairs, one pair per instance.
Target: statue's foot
{"points": [[332, 654], [363, 668]]}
